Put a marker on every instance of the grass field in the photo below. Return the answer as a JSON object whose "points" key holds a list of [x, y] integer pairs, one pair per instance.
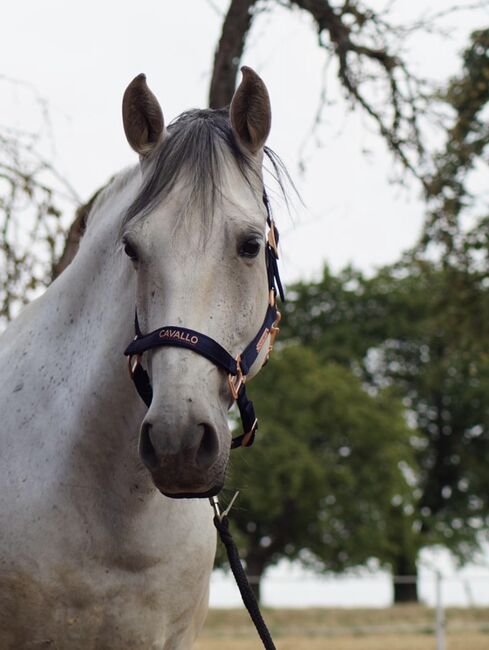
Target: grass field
{"points": [[398, 628]]}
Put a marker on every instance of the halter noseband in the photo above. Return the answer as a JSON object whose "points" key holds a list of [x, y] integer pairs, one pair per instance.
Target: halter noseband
{"points": [[237, 368]]}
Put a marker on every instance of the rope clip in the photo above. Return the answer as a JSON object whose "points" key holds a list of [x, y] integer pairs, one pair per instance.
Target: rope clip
{"points": [[214, 501]]}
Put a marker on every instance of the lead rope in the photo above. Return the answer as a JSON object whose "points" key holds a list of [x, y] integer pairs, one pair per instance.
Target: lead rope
{"points": [[221, 522]]}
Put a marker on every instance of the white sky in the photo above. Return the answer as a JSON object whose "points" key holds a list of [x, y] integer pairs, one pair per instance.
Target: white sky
{"points": [[81, 56]]}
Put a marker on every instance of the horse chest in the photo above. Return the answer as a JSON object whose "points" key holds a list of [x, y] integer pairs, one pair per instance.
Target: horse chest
{"points": [[125, 601], [124, 615]]}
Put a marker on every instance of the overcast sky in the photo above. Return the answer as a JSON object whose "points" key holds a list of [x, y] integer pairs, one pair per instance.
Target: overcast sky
{"points": [[81, 56]]}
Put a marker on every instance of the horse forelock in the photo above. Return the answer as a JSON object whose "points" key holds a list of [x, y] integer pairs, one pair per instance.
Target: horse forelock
{"points": [[198, 146]]}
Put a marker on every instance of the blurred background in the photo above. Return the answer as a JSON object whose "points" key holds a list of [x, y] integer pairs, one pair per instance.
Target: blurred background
{"points": [[369, 485]]}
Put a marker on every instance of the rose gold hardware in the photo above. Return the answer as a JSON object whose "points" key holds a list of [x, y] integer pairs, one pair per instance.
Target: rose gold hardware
{"points": [[274, 330], [235, 382], [262, 340], [271, 239], [133, 362]]}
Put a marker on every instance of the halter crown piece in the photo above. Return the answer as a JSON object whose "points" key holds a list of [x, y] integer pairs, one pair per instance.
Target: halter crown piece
{"points": [[237, 368]]}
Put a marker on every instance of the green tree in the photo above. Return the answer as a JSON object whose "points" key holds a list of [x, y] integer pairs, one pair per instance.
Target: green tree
{"points": [[331, 462], [418, 328]]}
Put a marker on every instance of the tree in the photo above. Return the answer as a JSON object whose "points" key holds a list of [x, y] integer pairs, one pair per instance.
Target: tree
{"points": [[416, 328], [437, 360], [331, 461]]}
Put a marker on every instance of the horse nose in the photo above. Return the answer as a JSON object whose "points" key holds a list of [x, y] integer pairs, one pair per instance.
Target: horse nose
{"points": [[197, 448]]}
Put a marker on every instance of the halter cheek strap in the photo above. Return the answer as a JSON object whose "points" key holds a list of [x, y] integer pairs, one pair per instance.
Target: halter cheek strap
{"points": [[237, 368]]}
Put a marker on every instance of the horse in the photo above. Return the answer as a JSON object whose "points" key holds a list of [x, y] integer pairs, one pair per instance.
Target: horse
{"points": [[96, 549]]}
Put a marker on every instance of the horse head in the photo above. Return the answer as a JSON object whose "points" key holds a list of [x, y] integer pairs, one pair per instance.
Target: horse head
{"points": [[195, 234]]}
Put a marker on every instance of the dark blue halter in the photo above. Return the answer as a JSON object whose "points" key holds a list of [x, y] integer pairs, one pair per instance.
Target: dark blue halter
{"points": [[237, 368]]}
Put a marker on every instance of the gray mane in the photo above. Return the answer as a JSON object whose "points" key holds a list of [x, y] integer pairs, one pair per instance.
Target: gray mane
{"points": [[196, 144]]}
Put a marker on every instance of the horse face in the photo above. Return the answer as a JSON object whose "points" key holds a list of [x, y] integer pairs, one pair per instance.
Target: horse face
{"points": [[199, 255]]}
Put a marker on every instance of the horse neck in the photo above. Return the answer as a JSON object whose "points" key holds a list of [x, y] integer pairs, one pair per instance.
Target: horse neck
{"points": [[94, 300], [97, 294]]}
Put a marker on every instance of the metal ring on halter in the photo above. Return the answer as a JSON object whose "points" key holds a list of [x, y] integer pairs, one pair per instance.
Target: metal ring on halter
{"points": [[272, 240]]}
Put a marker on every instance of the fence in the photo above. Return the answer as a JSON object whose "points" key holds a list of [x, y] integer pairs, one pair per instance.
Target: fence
{"points": [[291, 587]]}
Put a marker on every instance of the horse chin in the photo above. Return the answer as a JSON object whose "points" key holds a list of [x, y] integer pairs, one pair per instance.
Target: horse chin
{"points": [[192, 495], [186, 489]]}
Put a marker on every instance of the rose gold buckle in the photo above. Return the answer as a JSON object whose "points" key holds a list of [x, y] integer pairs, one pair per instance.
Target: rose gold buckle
{"points": [[235, 382], [274, 330], [271, 239], [133, 362]]}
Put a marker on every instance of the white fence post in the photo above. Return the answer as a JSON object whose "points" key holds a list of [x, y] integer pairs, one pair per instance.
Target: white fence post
{"points": [[440, 615]]}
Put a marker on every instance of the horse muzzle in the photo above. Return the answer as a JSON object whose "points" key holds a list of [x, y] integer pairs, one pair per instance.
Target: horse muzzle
{"points": [[189, 465]]}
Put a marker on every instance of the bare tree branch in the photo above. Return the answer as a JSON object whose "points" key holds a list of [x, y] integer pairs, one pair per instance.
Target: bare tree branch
{"points": [[229, 52], [366, 48], [359, 39], [215, 8], [33, 196]]}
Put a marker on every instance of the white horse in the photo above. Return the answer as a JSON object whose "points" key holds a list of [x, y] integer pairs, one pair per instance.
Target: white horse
{"points": [[92, 556]]}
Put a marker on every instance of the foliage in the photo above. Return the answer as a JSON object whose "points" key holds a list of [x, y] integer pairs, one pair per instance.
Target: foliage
{"points": [[467, 138], [330, 461], [417, 329], [438, 361]]}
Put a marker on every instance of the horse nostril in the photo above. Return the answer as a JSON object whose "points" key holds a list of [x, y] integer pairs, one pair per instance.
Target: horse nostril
{"points": [[208, 447], [147, 452]]}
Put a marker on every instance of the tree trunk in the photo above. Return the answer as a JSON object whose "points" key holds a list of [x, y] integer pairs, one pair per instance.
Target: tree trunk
{"points": [[254, 571], [405, 579], [229, 51]]}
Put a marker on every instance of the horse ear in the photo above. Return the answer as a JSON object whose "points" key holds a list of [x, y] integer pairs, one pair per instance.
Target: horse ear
{"points": [[250, 113], [143, 120]]}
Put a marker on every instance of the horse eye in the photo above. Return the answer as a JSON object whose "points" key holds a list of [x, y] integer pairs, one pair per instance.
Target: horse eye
{"points": [[130, 251], [249, 248]]}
